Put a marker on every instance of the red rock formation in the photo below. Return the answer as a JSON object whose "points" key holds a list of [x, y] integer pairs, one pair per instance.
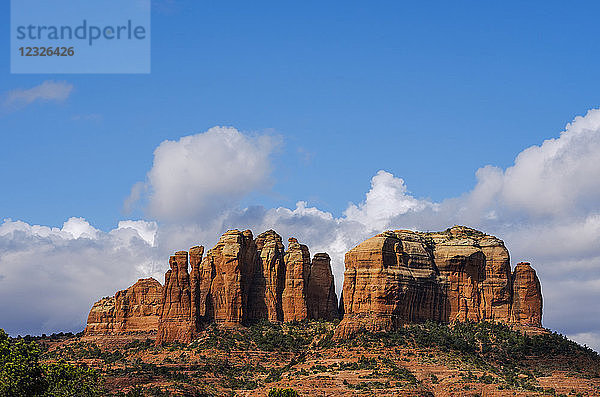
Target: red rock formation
{"points": [[268, 281], [232, 263], [196, 285], [297, 270], [321, 299], [475, 274], [457, 275], [175, 316], [101, 319], [394, 278], [389, 280], [527, 296], [497, 285], [134, 310]]}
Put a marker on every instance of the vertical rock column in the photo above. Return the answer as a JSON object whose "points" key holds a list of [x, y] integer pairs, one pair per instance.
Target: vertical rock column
{"points": [[175, 316], [196, 311], [497, 286], [297, 271], [527, 296], [232, 263], [264, 301], [321, 298]]}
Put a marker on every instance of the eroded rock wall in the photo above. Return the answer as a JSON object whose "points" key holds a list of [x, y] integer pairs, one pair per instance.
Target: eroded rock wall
{"points": [[175, 322], [391, 279], [460, 274], [134, 310]]}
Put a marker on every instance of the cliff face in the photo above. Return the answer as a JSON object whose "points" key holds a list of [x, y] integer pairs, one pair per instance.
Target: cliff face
{"points": [[297, 271], [390, 279], [474, 272], [240, 281], [134, 310], [268, 280], [458, 275], [393, 278]]}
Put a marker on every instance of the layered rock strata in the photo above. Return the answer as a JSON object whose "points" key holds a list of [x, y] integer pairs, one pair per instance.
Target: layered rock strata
{"points": [[175, 322], [461, 274], [391, 279], [243, 280], [268, 280], [134, 310]]}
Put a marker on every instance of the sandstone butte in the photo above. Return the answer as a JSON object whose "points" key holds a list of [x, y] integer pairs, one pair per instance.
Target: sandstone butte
{"points": [[394, 278]]}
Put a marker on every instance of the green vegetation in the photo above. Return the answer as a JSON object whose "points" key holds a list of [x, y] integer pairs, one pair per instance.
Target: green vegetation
{"points": [[69, 380], [494, 341], [276, 392], [228, 361], [22, 374], [491, 347], [266, 336]]}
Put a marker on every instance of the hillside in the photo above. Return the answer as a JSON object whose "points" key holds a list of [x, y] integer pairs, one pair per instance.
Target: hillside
{"points": [[430, 359]]}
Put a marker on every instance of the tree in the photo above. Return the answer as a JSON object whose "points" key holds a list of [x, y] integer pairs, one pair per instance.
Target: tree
{"points": [[20, 371], [22, 374]]}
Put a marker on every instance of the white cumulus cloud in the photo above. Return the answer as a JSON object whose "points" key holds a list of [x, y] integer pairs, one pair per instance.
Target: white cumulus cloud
{"points": [[388, 198], [200, 175]]}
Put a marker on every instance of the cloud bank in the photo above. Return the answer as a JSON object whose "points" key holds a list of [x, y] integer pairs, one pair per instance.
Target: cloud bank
{"points": [[546, 207], [49, 277]]}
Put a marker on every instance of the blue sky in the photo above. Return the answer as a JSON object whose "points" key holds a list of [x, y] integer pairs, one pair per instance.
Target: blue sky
{"points": [[326, 96], [356, 87]]}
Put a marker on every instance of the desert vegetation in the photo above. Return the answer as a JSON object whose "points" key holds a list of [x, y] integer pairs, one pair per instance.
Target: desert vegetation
{"points": [[302, 358]]}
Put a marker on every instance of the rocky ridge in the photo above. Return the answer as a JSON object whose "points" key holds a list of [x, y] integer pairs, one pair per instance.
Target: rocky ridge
{"points": [[394, 278], [461, 274]]}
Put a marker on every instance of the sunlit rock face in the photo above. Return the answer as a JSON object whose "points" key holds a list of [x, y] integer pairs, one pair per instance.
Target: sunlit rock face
{"points": [[461, 274], [241, 281], [391, 279], [527, 296], [130, 311]]}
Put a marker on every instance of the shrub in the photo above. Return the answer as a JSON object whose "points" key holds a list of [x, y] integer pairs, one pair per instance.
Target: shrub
{"points": [[64, 379], [277, 392]]}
